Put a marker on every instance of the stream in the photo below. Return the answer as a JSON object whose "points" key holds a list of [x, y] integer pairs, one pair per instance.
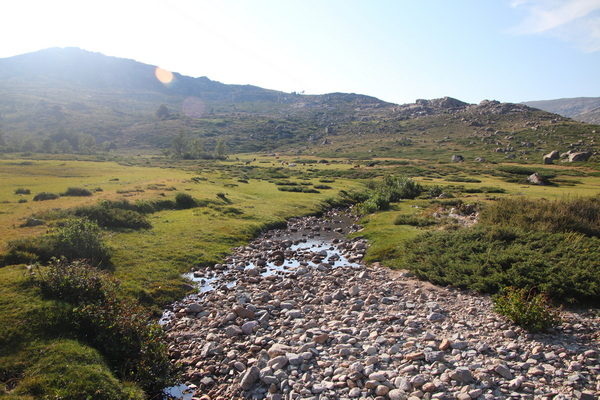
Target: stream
{"points": [[315, 242]]}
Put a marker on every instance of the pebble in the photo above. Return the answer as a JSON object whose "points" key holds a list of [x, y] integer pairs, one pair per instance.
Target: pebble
{"points": [[358, 331]]}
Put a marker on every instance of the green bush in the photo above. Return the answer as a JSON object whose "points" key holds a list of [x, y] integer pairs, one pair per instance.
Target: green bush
{"points": [[108, 217], [185, 200], [78, 239], [22, 191], [530, 311], [574, 215], [121, 330], [75, 191], [75, 283], [516, 169], [29, 250], [414, 220], [42, 196], [435, 191], [486, 259], [392, 189]]}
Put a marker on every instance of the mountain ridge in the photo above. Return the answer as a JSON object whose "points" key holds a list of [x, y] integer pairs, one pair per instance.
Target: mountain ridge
{"points": [[56, 99], [584, 109]]}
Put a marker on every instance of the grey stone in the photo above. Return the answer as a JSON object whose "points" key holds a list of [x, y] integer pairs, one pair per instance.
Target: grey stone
{"points": [[249, 378]]}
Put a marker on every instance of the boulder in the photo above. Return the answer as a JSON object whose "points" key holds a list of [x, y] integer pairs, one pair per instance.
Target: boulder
{"points": [[536, 179], [580, 156], [457, 158]]}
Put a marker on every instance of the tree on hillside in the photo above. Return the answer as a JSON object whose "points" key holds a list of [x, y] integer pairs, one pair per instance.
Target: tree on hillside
{"points": [[162, 112], [178, 145], [220, 150], [195, 149]]}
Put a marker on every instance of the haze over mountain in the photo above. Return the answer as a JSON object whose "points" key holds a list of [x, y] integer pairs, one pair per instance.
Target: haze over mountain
{"points": [[61, 100], [584, 109]]}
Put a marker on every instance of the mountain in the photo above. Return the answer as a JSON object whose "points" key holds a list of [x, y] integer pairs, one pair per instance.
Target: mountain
{"points": [[71, 100], [584, 109]]}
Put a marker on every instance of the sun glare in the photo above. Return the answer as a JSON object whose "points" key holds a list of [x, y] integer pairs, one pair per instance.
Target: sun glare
{"points": [[163, 75]]}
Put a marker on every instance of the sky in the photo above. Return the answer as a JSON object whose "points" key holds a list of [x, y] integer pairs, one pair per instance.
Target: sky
{"points": [[395, 50]]}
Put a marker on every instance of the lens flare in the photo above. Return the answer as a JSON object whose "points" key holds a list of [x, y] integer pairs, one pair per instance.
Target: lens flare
{"points": [[163, 75]]}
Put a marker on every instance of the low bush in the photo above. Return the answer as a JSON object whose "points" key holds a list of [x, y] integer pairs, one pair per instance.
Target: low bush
{"points": [[390, 190], [78, 239], [461, 179], [107, 217], [435, 191], [184, 200], [72, 239], [531, 311], [76, 191], [567, 215], [414, 220], [22, 191], [516, 169], [486, 259], [42, 196], [120, 330]]}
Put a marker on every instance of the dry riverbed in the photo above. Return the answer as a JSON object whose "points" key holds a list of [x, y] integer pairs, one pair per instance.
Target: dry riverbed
{"points": [[296, 315]]}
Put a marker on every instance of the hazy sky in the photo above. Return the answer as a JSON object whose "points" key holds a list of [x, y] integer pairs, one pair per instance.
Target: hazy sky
{"points": [[396, 50]]}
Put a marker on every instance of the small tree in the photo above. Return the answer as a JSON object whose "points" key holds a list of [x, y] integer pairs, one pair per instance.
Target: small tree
{"points": [[179, 145], [196, 149], [220, 150], [162, 112]]}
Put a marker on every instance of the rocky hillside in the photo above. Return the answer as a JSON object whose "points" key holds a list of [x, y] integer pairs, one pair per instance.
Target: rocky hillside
{"points": [[71, 100]]}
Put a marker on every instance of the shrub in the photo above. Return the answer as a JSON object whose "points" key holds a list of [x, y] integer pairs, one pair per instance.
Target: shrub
{"points": [[80, 239], [185, 200], [392, 189], [530, 311], [72, 239], [414, 220], [75, 191], [29, 250], [223, 196], [435, 191], [120, 330], [576, 215], [42, 196], [400, 187], [22, 201], [108, 217], [75, 283], [486, 259], [22, 191]]}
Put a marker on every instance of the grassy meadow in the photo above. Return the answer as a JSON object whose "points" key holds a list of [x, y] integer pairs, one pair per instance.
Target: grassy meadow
{"points": [[233, 201]]}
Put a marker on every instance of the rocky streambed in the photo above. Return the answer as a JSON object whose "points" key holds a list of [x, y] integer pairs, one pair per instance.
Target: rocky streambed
{"points": [[297, 315]]}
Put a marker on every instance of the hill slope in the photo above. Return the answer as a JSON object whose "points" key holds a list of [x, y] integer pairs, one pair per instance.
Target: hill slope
{"points": [[584, 109], [72, 100]]}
